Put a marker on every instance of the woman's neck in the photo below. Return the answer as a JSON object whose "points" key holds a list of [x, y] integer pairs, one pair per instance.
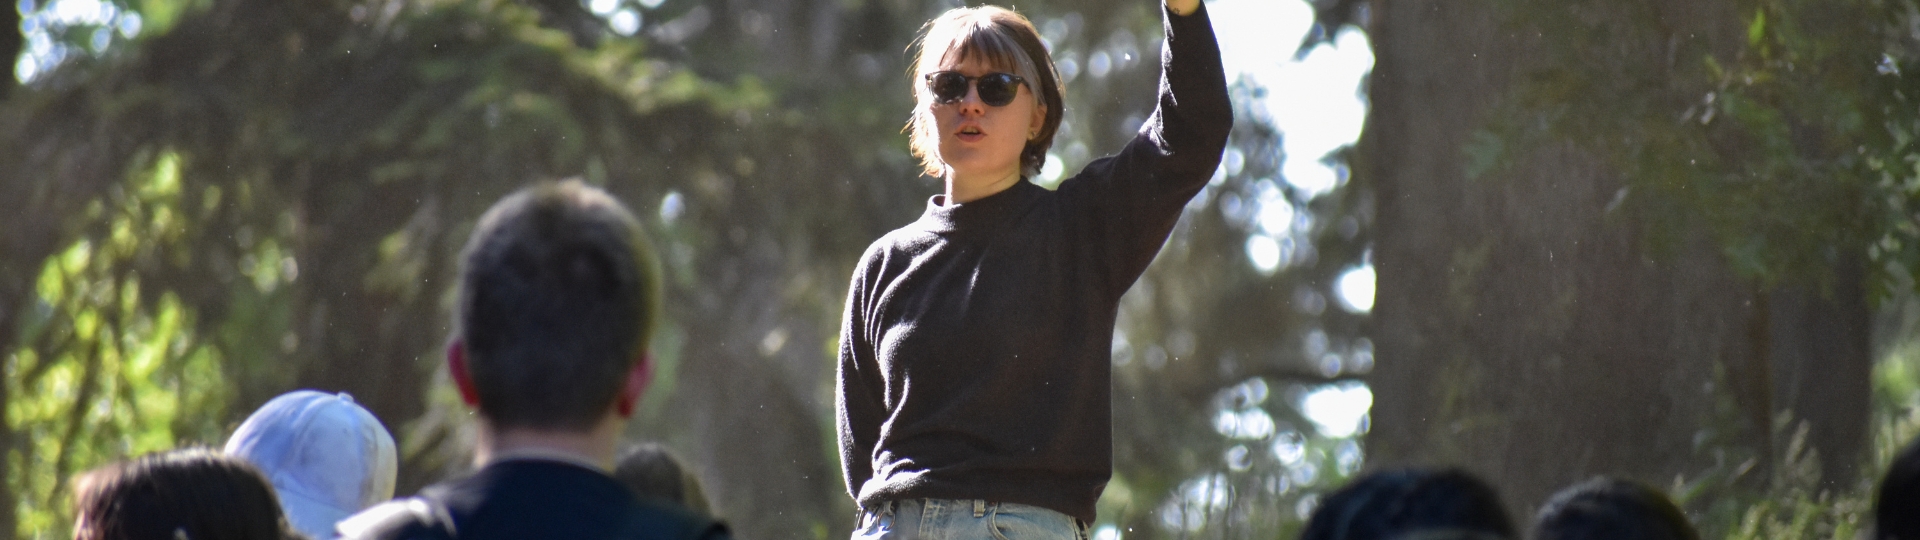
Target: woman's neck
{"points": [[965, 189]]}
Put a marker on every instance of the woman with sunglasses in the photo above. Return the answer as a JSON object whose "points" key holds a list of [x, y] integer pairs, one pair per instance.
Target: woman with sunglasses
{"points": [[975, 356]]}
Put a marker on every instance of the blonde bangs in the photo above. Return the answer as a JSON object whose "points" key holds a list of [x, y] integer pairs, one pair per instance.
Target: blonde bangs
{"points": [[976, 37]]}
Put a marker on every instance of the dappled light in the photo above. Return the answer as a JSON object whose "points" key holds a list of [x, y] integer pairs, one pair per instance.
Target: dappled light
{"points": [[1316, 98], [60, 29], [1338, 411], [1355, 289]]}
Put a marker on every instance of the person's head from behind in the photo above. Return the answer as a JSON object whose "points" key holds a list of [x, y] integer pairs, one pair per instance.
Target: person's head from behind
{"points": [[1411, 504], [326, 456], [1611, 509], [652, 472], [197, 494], [1896, 508], [557, 297], [987, 94]]}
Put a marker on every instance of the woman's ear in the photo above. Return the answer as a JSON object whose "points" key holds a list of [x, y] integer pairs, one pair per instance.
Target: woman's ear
{"points": [[1039, 120]]}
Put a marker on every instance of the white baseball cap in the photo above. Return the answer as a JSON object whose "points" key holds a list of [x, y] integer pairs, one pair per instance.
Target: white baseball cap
{"points": [[326, 456]]}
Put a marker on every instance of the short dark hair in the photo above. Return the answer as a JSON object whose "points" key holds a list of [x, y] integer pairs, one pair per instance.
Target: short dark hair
{"points": [[1608, 508], [1401, 503], [653, 472], [1896, 508], [194, 493], [557, 298]]}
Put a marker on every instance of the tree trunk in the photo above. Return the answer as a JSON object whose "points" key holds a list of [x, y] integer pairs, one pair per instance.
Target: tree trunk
{"points": [[1822, 368], [12, 41], [1524, 328]]}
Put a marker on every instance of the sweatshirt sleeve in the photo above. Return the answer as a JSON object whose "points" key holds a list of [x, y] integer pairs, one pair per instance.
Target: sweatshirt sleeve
{"points": [[859, 410], [1127, 203]]}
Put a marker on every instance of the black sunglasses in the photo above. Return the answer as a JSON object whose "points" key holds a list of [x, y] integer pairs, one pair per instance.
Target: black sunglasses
{"points": [[996, 89]]}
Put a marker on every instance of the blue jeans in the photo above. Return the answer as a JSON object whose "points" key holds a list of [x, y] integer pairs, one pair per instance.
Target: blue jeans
{"points": [[947, 519]]}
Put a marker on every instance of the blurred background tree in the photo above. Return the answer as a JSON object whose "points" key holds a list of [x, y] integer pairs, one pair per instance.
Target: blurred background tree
{"points": [[1641, 239]]}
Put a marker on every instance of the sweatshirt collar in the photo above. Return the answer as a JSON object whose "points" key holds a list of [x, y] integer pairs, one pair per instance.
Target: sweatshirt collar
{"points": [[982, 214]]}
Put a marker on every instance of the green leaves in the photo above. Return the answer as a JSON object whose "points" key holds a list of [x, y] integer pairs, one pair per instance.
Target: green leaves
{"points": [[1779, 136], [1774, 160], [106, 367], [299, 176]]}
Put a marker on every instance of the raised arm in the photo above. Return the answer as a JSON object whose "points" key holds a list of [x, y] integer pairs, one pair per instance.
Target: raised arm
{"points": [[1193, 115], [1128, 203]]}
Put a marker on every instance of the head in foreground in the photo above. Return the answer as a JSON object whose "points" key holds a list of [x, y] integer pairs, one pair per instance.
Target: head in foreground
{"points": [[655, 473], [1896, 508], [1411, 504], [326, 456], [557, 298], [193, 494], [1611, 509]]}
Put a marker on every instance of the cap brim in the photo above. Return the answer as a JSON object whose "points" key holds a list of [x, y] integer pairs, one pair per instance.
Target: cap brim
{"points": [[310, 516]]}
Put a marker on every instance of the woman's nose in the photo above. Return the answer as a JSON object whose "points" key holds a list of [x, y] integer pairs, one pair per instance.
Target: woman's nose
{"points": [[971, 104]]}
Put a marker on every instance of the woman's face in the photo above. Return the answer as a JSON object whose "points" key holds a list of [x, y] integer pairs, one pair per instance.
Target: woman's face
{"points": [[981, 142]]}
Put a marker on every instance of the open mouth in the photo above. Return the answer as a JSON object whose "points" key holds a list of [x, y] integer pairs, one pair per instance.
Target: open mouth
{"points": [[970, 133]]}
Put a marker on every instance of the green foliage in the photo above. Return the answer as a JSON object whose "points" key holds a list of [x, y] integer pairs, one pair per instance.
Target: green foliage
{"points": [[1793, 504], [1796, 502], [321, 163], [1788, 149], [1781, 129], [159, 16], [177, 294], [105, 369], [1796, 514]]}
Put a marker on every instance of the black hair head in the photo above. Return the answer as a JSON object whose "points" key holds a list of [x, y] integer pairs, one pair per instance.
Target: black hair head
{"points": [[1609, 508], [1405, 504], [194, 493], [652, 471], [1896, 508], [558, 294]]}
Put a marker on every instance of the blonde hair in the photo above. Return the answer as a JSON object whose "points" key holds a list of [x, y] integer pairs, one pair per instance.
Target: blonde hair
{"points": [[1006, 40]]}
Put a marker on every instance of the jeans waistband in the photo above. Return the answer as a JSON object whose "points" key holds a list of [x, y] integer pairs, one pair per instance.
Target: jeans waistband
{"points": [[866, 516]]}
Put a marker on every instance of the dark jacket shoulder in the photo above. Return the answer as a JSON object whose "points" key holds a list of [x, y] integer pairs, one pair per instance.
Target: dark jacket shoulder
{"points": [[666, 520], [529, 499]]}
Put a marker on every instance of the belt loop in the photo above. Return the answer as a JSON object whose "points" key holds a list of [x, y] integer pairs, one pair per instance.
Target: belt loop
{"points": [[979, 507]]}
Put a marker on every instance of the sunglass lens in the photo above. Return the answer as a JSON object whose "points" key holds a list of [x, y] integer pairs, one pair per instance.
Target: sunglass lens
{"points": [[998, 89], [948, 87]]}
